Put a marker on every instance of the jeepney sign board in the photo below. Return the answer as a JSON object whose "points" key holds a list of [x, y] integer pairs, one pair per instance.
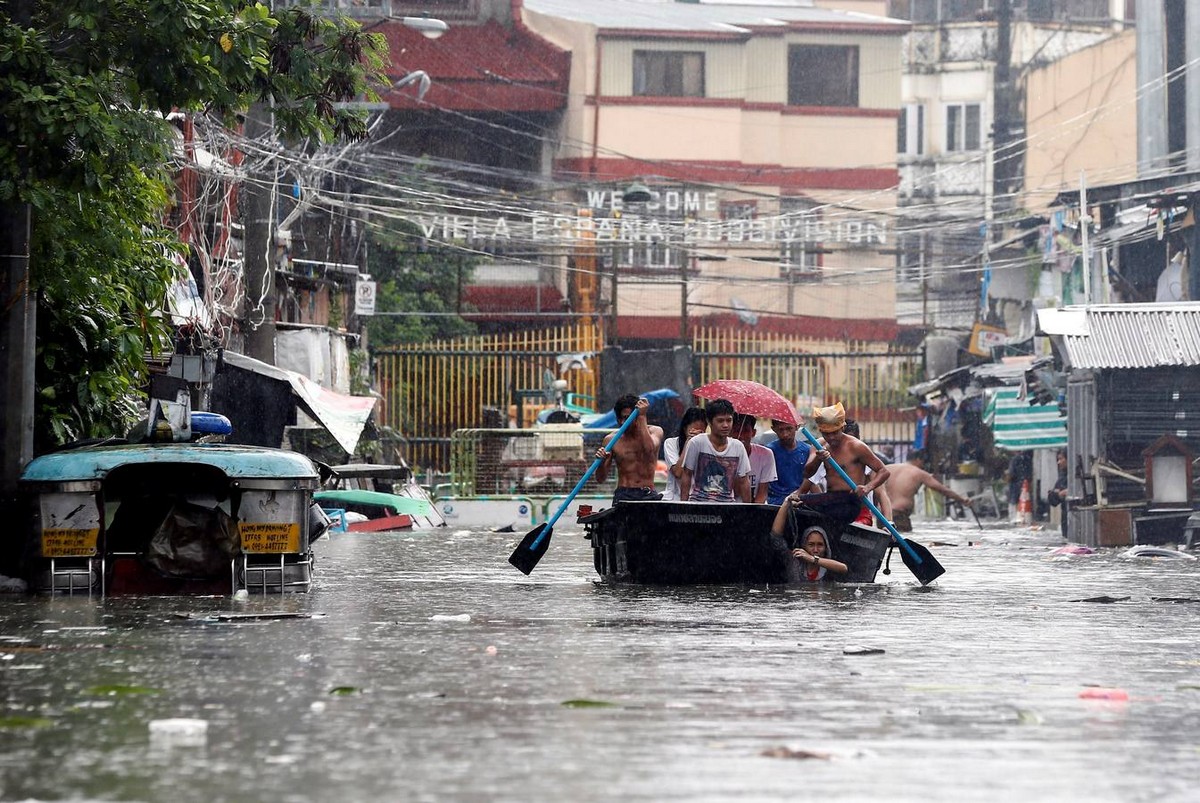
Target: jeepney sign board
{"points": [[270, 537], [70, 525]]}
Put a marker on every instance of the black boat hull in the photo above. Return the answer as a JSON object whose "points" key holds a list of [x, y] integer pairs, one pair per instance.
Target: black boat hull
{"points": [[693, 543]]}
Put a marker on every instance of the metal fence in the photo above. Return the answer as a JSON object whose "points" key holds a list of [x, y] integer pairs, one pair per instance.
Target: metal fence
{"points": [[429, 390], [549, 460], [869, 379]]}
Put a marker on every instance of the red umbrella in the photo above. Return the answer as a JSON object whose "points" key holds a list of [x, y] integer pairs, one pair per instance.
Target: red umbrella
{"points": [[751, 398]]}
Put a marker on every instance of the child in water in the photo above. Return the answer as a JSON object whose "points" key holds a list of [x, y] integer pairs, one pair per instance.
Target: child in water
{"points": [[813, 555]]}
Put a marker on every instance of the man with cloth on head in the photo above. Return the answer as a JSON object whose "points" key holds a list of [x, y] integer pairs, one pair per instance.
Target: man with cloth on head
{"points": [[841, 502], [636, 454]]}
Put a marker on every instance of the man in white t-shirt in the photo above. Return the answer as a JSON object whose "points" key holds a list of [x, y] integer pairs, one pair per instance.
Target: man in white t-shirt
{"points": [[762, 459], [716, 467]]}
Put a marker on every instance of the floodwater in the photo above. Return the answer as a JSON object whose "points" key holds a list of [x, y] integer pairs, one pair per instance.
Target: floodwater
{"points": [[436, 671]]}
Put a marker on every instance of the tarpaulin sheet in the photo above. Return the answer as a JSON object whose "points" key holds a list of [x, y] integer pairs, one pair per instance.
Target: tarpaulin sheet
{"points": [[1019, 426], [343, 416]]}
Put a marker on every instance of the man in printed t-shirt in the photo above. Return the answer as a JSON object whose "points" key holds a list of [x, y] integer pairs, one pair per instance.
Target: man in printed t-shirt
{"points": [[716, 468]]}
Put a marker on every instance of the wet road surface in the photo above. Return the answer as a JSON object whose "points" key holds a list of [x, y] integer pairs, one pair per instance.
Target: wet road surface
{"points": [[430, 669]]}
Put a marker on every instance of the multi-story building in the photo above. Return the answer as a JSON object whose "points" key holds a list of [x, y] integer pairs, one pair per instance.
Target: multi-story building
{"points": [[990, 88]]}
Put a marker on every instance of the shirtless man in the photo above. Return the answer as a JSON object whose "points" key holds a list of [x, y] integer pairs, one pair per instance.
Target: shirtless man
{"points": [[842, 502], [636, 454], [906, 479]]}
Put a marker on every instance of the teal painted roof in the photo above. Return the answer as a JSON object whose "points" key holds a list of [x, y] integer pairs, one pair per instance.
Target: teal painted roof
{"points": [[235, 461], [400, 504]]}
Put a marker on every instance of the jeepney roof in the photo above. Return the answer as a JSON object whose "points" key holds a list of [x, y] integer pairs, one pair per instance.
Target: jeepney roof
{"points": [[93, 463]]}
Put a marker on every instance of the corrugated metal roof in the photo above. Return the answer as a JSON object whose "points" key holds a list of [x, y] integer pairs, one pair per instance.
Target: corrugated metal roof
{"points": [[730, 18], [1126, 335]]}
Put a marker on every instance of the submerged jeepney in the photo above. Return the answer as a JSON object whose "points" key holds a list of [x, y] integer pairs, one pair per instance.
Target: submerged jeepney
{"points": [[170, 518]]}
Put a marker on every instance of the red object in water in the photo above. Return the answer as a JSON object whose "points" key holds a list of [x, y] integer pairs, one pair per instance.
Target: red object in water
{"points": [[400, 521], [1104, 694], [750, 398]]}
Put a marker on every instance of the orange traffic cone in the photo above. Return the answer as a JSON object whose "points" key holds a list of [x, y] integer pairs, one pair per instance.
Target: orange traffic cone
{"points": [[1025, 504]]}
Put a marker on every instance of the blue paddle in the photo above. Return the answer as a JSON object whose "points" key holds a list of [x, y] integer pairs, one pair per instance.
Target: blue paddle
{"points": [[922, 564], [535, 543]]}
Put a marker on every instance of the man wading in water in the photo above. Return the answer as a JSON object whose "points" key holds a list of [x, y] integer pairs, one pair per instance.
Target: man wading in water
{"points": [[843, 503], [907, 478], [636, 454]]}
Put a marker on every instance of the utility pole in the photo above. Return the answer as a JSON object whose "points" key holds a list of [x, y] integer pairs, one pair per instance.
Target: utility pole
{"points": [[18, 328], [1085, 223], [1002, 106], [258, 212]]}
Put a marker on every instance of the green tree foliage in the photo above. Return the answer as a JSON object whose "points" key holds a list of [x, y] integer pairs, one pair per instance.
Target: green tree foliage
{"points": [[84, 88], [416, 275]]}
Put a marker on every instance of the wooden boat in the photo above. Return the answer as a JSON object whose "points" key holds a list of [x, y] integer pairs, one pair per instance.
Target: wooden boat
{"points": [[169, 517], [696, 543]]}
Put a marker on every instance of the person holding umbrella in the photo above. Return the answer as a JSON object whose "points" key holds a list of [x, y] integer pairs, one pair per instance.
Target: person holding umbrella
{"points": [[841, 502]]}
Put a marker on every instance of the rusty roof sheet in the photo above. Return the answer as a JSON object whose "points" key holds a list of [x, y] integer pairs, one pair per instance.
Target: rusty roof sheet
{"points": [[1126, 335]]}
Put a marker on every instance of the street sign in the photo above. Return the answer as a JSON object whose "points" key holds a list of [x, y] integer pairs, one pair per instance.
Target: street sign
{"points": [[364, 297]]}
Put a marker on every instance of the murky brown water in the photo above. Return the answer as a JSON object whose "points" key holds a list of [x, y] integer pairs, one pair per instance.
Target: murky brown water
{"points": [[976, 695]]}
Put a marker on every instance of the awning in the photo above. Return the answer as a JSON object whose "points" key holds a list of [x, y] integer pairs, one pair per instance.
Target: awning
{"points": [[341, 415], [1018, 426]]}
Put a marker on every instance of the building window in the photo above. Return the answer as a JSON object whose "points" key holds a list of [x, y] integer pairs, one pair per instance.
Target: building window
{"points": [[822, 75], [800, 253], [739, 210], [910, 140], [647, 257], [912, 258], [668, 74], [963, 127]]}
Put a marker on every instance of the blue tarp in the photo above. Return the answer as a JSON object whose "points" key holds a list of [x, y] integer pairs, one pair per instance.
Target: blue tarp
{"points": [[661, 409]]}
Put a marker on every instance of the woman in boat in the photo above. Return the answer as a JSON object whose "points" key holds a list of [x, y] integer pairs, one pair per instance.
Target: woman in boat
{"points": [[693, 423], [814, 555]]}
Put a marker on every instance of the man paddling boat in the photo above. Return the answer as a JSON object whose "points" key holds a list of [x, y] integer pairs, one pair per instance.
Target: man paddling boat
{"points": [[635, 455], [841, 502]]}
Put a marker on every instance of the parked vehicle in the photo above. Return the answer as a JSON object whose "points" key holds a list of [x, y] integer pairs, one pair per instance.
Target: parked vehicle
{"points": [[387, 495], [164, 517]]}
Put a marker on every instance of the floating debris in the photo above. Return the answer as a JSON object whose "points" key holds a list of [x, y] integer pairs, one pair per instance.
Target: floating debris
{"points": [[1156, 552], [587, 704], [787, 752], [450, 617], [852, 650], [344, 691], [1027, 717], [25, 722], [1105, 599], [119, 690], [238, 617], [1098, 693], [178, 732]]}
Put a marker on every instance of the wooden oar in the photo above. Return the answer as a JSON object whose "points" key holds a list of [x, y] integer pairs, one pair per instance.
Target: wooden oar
{"points": [[919, 560], [535, 543]]}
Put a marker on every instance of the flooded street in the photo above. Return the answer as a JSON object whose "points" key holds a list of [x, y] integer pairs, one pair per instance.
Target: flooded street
{"points": [[430, 669]]}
